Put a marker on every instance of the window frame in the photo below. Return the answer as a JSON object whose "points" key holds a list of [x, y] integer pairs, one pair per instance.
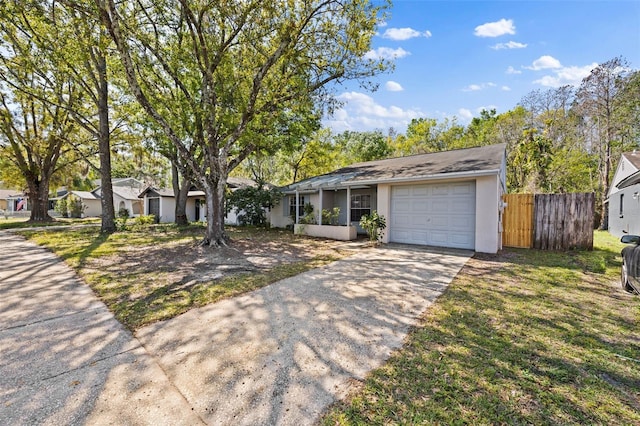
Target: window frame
{"points": [[360, 206], [291, 207]]}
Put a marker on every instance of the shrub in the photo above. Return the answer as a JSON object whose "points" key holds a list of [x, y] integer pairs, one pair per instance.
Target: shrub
{"points": [[61, 207], [330, 217], [75, 207], [145, 220], [374, 225], [250, 203], [309, 218]]}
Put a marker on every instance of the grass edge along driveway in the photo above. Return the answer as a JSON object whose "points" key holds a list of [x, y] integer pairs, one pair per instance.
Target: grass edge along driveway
{"points": [[522, 337]]}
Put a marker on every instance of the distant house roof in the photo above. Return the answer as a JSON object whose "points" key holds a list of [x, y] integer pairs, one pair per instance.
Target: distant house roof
{"points": [[126, 192], [240, 182], [463, 162], [10, 193], [232, 182], [634, 158], [85, 195]]}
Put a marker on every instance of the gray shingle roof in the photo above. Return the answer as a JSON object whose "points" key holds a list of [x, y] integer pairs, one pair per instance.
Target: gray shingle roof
{"points": [[437, 164], [634, 158]]}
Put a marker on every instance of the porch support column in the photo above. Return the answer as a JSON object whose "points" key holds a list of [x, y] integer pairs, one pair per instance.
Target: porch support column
{"points": [[297, 207], [320, 208], [348, 206]]}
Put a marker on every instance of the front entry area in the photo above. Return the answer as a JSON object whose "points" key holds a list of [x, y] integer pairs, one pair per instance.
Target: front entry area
{"points": [[435, 214]]}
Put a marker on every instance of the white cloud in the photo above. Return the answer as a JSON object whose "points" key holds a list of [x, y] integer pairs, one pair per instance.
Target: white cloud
{"points": [[386, 53], [509, 45], [477, 87], [360, 112], [486, 108], [566, 76], [393, 86], [506, 88], [545, 62], [495, 29], [512, 70], [404, 33], [465, 114]]}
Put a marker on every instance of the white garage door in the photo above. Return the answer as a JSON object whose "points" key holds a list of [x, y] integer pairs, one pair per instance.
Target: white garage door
{"points": [[437, 214]]}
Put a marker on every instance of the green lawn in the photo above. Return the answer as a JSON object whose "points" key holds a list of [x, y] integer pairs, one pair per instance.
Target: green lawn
{"points": [[22, 222], [523, 337]]}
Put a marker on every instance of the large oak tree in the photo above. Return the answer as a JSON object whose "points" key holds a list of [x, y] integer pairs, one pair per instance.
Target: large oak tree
{"points": [[232, 68]]}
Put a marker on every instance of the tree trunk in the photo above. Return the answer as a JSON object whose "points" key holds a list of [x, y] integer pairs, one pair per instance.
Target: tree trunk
{"points": [[181, 192], [104, 147], [39, 197], [214, 193]]}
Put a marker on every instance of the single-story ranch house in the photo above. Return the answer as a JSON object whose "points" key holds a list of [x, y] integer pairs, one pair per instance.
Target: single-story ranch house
{"points": [[624, 196], [162, 202], [444, 199], [125, 196]]}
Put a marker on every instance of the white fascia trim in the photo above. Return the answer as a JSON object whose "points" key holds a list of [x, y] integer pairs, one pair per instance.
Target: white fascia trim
{"points": [[439, 176]]}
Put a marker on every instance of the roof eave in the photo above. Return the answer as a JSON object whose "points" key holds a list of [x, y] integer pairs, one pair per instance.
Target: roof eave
{"points": [[365, 183]]}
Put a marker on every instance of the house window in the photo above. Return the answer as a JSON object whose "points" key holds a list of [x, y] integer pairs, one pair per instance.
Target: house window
{"points": [[360, 206], [621, 205], [292, 206]]}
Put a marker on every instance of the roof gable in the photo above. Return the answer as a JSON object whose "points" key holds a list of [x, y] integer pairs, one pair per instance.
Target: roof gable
{"points": [[627, 170]]}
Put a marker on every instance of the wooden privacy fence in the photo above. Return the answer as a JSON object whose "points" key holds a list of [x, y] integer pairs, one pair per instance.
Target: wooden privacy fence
{"points": [[549, 221]]}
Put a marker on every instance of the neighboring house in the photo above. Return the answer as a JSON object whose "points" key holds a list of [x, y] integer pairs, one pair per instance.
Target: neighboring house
{"points": [[125, 196], [444, 199], [162, 202], [624, 196], [13, 201], [91, 203]]}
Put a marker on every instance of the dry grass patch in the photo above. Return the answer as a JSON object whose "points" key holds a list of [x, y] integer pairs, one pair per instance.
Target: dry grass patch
{"points": [[154, 273]]}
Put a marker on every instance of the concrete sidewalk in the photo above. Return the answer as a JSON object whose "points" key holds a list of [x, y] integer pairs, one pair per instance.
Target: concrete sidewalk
{"points": [[276, 356], [65, 359]]}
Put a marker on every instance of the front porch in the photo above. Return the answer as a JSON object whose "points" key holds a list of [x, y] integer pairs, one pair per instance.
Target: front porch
{"points": [[320, 209]]}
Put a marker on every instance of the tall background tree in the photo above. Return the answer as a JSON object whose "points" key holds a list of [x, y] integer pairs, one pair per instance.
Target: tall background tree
{"points": [[601, 103]]}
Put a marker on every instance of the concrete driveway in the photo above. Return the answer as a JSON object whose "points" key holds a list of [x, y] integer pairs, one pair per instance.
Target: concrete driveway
{"points": [[278, 355]]}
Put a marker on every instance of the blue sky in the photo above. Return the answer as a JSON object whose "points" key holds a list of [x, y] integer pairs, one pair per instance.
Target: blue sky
{"points": [[454, 58]]}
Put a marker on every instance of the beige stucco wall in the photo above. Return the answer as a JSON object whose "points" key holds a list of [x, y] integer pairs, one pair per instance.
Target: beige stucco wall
{"points": [[488, 226], [93, 208]]}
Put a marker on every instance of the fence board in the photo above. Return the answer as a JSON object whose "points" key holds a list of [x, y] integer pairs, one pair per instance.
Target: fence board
{"points": [[549, 221], [563, 221], [517, 220]]}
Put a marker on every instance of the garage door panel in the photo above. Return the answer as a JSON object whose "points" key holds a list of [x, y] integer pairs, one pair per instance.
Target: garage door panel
{"points": [[401, 206], [439, 190], [440, 206], [439, 238], [463, 189], [420, 206], [419, 190], [441, 214], [439, 222], [462, 223], [460, 205], [401, 220], [402, 192], [461, 240]]}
